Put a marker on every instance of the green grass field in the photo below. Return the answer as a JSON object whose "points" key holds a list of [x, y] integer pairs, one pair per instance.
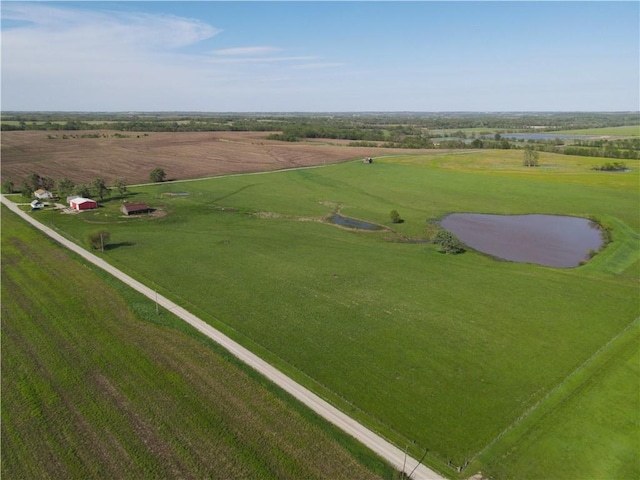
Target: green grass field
{"points": [[96, 385], [433, 351], [623, 131], [588, 429]]}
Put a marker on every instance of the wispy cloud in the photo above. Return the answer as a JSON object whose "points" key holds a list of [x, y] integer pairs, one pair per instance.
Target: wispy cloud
{"points": [[258, 50], [65, 58], [69, 58], [250, 60], [66, 26], [318, 66]]}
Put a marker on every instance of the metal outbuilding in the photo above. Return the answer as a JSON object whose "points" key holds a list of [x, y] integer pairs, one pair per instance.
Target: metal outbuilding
{"points": [[80, 203]]}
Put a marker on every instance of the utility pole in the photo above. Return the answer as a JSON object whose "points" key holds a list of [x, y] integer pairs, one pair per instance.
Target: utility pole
{"points": [[405, 461]]}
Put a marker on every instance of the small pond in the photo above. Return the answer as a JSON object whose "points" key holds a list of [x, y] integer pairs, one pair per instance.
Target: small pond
{"points": [[353, 223], [551, 240]]}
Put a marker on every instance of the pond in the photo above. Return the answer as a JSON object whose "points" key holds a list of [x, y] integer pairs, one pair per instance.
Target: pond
{"points": [[353, 223], [551, 240]]}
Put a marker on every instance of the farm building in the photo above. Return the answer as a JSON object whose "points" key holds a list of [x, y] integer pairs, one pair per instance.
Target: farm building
{"points": [[43, 194], [80, 203], [135, 208]]}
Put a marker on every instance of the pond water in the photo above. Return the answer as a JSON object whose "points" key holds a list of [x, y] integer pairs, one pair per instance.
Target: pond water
{"points": [[543, 136], [353, 223], [551, 240]]}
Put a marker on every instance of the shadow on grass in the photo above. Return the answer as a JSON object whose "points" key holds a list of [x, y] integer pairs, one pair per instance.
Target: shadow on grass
{"points": [[113, 246]]}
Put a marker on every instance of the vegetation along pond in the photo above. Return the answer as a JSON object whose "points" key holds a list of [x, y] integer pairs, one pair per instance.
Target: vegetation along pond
{"points": [[551, 240]]}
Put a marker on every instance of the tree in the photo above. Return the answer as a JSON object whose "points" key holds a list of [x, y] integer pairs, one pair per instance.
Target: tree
{"points": [[7, 186], [121, 186], [47, 183], [82, 191], [531, 157], [34, 182], [395, 217], [157, 175], [65, 187], [448, 242], [26, 190], [101, 188], [99, 239]]}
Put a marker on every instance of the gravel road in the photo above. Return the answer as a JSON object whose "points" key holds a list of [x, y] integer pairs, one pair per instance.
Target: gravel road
{"points": [[386, 450]]}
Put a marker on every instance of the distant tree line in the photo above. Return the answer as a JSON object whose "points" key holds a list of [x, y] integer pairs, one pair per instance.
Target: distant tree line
{"points": [[362, 126]]}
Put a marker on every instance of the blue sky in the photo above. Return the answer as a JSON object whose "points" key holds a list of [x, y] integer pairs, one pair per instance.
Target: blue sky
{"points": [[320, 56]]}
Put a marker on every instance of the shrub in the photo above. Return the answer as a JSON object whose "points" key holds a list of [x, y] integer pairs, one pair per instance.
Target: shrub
{"points": [[448, 242], [157, 175], [395, 217], [611, 167], [99, 239]]}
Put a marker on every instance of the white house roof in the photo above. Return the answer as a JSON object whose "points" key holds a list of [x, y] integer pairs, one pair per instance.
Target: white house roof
{"points": [[79, 200]]}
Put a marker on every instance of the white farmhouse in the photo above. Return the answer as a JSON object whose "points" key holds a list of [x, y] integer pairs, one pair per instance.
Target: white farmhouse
{"points": [[43, 194]]}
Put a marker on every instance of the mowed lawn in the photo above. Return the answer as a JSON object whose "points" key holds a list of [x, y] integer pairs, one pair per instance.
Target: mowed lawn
{"points": [[96, 385], [437, 352]]}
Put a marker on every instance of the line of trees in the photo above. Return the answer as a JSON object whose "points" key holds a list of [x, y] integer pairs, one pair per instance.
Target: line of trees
{"points": [[65, 187], [192, 122]]}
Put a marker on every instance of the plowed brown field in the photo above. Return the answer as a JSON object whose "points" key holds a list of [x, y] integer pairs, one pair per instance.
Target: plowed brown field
{"points": [[181, 155]]}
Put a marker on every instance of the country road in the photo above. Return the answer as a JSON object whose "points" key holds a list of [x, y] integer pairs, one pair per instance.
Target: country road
{"points": [[382, 447]]}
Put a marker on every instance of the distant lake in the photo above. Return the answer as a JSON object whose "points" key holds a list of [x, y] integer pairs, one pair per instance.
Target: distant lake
{"points": [[551, 240], [520, 136], [542, 136]]}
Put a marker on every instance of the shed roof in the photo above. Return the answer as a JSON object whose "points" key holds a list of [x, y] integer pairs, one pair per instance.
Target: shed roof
{"points": [[79, 200], [134, 207]]}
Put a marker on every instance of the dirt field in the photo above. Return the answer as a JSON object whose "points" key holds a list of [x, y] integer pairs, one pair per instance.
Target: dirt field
{"points": [[181, 155]]}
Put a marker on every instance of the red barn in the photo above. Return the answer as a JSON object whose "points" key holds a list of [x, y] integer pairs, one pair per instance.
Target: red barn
{"points": [[80, 203]]}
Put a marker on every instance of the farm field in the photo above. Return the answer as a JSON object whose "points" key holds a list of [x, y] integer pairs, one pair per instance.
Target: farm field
{"points": [[131, 156], [96, 384], [437, 352], [623, 131]]}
